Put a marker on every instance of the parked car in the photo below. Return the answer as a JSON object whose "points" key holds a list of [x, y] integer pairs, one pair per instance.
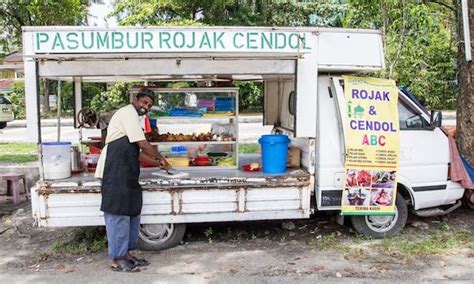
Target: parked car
{"points": [[6, 112]]}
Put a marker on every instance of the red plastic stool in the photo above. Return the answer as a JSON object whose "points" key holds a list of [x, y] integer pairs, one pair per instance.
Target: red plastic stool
{"points": [[13, 186]]}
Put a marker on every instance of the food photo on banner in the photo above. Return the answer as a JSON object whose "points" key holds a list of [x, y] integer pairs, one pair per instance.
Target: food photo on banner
{"points": [[372, 145]]}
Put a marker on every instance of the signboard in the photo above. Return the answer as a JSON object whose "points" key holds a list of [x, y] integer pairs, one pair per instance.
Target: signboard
{"points": [[172, 40], [372, 146]]}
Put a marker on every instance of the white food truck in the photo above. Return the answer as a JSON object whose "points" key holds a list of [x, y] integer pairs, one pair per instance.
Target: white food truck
{"points": [[303, 98]]}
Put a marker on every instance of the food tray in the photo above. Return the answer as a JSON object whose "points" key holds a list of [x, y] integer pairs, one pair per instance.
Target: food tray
{"points": [[178, 162]]}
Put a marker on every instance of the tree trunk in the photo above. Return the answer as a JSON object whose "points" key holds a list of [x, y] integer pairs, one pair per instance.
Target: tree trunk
{"points": [[46, 88], [465, 100]]}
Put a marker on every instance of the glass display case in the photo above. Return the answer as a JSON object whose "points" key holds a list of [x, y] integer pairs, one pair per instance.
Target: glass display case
{"points": [[189, 147]]}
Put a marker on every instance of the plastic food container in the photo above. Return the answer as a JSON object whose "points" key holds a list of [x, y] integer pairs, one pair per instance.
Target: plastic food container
{"points": [[179, 149], [209, 104], [224, 104], [178, 161], [56, 160]]}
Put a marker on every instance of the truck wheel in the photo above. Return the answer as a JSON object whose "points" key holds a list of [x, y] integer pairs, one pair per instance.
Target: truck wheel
{"points": [[383, 226], [3, 125], [160, 236]]}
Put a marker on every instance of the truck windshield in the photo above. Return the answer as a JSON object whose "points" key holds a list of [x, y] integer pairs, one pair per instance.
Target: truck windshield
{"points": [[409, 118]]}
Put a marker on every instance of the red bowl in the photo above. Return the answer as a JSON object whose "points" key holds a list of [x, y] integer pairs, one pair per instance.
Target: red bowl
{"points": [[202, 158], [202, 162]]}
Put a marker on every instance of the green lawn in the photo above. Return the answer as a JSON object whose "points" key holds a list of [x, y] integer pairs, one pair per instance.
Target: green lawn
{"points": [[27, 152], [18, 152], [249, 148]]}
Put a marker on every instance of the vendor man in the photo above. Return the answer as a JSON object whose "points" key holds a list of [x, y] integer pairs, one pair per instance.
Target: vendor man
{"points": [[119, 169]]}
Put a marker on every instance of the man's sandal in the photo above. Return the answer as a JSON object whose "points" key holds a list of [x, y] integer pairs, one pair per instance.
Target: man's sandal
{"points": [[125, 266], [138, 261]]}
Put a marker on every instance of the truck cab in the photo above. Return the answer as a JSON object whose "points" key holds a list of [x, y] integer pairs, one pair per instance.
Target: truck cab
{"points": [[423, 181]]}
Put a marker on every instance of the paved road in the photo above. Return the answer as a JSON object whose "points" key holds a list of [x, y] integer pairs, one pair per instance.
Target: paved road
{"points": [[248, 132], [250, 129]]}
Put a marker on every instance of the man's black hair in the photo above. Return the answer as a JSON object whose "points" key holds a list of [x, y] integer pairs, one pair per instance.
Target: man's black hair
{"points": [[144, 92]]}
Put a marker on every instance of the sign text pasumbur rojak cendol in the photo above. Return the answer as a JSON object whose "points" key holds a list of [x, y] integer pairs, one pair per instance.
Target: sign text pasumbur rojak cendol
{"points": [[170, 41], [372, 146]]}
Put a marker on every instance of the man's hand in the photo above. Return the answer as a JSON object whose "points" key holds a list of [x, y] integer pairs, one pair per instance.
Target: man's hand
{"points": [[163, 163]]}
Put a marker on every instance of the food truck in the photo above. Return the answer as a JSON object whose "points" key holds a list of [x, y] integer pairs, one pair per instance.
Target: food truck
{"points": [[301, 70]]}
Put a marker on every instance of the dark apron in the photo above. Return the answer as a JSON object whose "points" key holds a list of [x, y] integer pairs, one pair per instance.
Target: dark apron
{"points": [[121, 192]]}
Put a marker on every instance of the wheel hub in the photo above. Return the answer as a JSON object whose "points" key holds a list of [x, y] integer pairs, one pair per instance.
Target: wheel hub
{"points": [[382, 224], [156, 233]]}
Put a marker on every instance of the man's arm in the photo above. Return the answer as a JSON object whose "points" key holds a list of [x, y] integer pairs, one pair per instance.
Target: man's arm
{"points": [[148, 159], [151, 151]]}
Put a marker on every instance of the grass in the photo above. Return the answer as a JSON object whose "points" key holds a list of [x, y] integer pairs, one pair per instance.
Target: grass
{"points": [[327, 242], [252, 148], [419, 246], [403, 247], [83, 241], [18, 152]]}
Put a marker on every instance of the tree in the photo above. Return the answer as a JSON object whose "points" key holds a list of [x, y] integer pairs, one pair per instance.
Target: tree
{"points": [[420, 51], [465, 100], [15, 14], [227, 12]]}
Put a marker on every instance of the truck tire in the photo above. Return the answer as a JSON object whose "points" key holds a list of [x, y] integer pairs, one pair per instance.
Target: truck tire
{"points": [[3, 125], [160, 236], [383, 226]]}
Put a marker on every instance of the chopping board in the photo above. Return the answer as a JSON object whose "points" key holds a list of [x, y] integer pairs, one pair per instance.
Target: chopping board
{"points": [[175, 174]]}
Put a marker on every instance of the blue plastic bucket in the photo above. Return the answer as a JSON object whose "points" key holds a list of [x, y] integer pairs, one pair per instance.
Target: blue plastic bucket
{"points": [[274, 153]]}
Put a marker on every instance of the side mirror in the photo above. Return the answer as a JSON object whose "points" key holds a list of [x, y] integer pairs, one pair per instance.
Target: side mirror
{"points": [[436, 118], [292, 103]]}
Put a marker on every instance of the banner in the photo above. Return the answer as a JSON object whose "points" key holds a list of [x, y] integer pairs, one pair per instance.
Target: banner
{"points": [[372, 144], [171, 40]]}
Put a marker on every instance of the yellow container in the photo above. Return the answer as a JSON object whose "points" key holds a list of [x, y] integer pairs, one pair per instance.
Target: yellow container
{"points": [[178, 161]]}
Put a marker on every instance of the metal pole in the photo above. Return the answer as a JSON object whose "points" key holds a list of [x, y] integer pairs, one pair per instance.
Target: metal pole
{"points": [[466, 31], [38, 114], [58, 103]]}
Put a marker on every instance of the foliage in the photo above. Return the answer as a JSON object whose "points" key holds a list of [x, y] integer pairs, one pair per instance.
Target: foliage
{"points": [[419, 49], [209, 233], [83, 241], [156, 12], [115, 97], [67, 97], [17, 98], [250, 96], [227, 13], [328, 242], [253, 148], [427, 245], [89, 91], [15, 14], [18, 152]]}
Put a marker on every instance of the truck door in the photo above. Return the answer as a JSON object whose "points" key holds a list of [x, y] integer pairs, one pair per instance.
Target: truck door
{"points": [[424, 155], [330, 143]]}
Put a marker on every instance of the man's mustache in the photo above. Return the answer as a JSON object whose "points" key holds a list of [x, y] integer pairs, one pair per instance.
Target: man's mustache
{"points": [[142, 110]]}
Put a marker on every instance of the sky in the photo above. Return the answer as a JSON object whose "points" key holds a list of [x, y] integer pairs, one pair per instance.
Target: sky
{"points": [[98, 11]]}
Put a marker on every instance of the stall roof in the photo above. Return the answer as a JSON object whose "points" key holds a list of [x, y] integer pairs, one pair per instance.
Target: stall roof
{"points": [[337, 49]]}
